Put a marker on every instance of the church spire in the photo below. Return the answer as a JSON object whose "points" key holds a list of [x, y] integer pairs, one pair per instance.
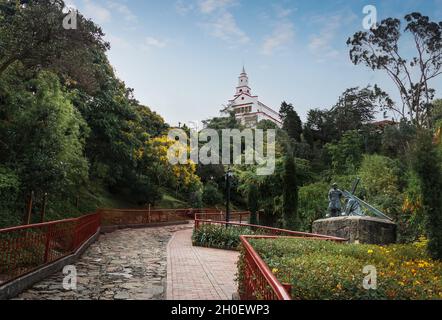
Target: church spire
{"points": [[243, 83]]}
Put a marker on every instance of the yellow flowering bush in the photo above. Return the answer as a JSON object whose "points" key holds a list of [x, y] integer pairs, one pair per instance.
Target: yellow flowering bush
{"points": [[323, 270]]}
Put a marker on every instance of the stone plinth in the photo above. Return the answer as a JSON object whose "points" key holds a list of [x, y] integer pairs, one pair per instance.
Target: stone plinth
{"points": [[366, 230]]}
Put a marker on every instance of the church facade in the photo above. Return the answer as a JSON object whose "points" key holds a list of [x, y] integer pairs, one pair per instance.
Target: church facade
{"points": [[247, 108]]}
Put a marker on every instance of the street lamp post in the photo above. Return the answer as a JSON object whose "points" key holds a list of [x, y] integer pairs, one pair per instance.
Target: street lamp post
{"points": [[229, 175]]}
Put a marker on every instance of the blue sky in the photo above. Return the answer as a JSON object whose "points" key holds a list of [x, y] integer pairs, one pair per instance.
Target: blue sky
{"points": [[183, 57]]}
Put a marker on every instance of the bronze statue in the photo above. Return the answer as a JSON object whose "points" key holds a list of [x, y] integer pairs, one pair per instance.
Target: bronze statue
{"points": [[334, 197], [354, 206]]}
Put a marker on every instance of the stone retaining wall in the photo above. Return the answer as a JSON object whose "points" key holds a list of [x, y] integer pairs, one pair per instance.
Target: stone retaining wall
{"points": [[366, 230]]}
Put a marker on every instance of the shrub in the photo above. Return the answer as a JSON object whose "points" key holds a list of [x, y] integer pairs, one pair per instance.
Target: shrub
{"points": [[217, 236], [323, 270], [211, 195], [313, 203], [426, 163], [252, 203], [290, 194]]}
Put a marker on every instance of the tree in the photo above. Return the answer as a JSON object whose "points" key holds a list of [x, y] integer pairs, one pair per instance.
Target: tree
{"points": [[427, 164], [291, 121], [357, 107], [252, 203], [320, 127], [396, 140], [436, 112], [346, 154], [379, 50], [290, 194], [45, 43], [211, 195], [45, 135]]}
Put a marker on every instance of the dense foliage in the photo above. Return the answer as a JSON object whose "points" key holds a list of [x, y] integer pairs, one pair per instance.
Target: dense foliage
{"points": [[69, 127], [323, 270]]}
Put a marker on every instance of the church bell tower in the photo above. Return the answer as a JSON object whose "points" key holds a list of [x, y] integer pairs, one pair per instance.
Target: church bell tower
{"points": [[243, 84]]}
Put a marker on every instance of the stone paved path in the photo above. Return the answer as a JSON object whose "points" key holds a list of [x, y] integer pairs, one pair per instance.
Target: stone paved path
{"points": [[195, 273], [125, 264]]}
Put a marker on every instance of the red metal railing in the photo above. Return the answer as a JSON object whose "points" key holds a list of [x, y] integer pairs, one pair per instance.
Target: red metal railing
{"points": [[237, 216], [263, 230], [119, 217], [24, 249], [256, 281]]}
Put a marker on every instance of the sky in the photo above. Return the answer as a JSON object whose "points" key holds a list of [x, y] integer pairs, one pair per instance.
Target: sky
{"points": [[183, 57]]}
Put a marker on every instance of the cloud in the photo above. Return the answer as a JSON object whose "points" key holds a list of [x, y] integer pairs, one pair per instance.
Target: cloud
{"points": [[218, 20], [118, 42], [282, 12], [96, 12], [210, 6], [321, 44], [152, 42], [224, 27], [183, 7], [283, 34], [127, 14]]}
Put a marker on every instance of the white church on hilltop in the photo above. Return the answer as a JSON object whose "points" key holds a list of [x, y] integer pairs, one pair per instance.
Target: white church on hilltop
{"points": [[247, 108]]}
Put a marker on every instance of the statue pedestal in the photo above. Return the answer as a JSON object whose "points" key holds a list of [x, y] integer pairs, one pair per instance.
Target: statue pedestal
{"points": [[367, 230]]}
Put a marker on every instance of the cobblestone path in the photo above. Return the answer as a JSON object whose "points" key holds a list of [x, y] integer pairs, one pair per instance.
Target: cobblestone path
{"points": [[123, 265]]}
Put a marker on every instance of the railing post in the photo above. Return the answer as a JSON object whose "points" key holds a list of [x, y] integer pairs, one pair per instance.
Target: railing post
{"points": [[29, 209], [288, 288], [48, 243], [43, 209]]}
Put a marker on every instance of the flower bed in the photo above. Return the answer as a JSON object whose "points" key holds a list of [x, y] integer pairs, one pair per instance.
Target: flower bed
{"points": [[218, 236], [321, 270]]}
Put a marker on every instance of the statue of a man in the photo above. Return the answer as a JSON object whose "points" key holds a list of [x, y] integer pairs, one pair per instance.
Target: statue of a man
{"points": [[334, 197]]}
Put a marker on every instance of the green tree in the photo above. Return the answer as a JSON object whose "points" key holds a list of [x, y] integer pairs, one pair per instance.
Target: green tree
{"points": [[427, 164], [45, 135], [291, 121], [379, 49], [45, 43], [211, 195], [380, 178], [436, 112], [290, 194], [313, 203], [346, 154], [356, 107], [252, 203]]}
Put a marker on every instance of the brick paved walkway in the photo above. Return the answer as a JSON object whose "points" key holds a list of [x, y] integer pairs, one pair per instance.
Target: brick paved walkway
{"points": [[195, 273]]}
